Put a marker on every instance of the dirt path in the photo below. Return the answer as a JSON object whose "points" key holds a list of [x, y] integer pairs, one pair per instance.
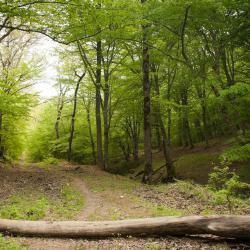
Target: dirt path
{"points": [[92, 202]]}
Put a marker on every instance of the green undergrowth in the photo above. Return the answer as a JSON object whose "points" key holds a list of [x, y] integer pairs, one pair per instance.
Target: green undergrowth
{"points": [[70, 203], [211, 200], [34, 205], [48, 162], [196, 166], [158, 210], [189, 188], [9, 244]]}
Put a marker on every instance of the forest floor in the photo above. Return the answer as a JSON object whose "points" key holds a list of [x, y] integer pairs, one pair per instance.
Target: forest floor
{"points": [[88, 193], [195, 164]]}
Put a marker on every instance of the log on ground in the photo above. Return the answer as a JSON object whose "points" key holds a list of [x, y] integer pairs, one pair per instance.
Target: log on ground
{"points": [[226, 226]]}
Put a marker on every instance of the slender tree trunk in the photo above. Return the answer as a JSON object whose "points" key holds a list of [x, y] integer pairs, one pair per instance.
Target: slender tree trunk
{"points": [[146, 109], [165, 139], [167, 154], [205, 125], [72, 126], [1, 136], [187, 137], [91, 136], [189, 134], [184, 134], [98, 104], [133, 130], [135, 149], [229, 77], [158, 134], [106, 124], [135, 139], [59, 115], [199, 130], [169, 126]]}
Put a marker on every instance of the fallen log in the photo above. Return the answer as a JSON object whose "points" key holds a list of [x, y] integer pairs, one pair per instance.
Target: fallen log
{"points": [[225, 226]]}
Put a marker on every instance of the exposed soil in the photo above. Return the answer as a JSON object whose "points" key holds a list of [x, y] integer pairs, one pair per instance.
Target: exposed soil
{"points": [[92, 201]]}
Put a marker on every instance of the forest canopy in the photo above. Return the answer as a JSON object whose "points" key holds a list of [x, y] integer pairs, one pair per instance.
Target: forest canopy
{"points": [[134, 78]]}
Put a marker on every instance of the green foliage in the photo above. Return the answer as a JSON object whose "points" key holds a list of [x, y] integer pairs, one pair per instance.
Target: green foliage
{"points": [[165, 211], [239, 152], [219, 177], [70, 203], [24, 207], [9, 244], [17, 75], [50, 161], [32, 205], [41, 143], [227, 186], [199, 77]]}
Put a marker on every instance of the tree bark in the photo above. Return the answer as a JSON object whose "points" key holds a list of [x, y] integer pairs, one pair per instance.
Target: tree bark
{"points": [[165, 139], [98, 103], [205, 123], [237, 227], [92, 142], [60, 106], [106, 123], [187, 138], [169, 126], [91, 137], [72, 126], [146, 109], [132, 128], [1, 136]]}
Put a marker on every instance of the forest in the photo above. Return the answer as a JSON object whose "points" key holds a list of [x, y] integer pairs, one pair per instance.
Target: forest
{"points": [[145, 123]]}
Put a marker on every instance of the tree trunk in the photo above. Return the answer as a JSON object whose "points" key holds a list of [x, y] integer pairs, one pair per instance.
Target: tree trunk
{"points": [[190, 140], [59, 113], [132, 128], [198, 129], [169, 127], [72, 126], [98, 103], [158, 134], [135, 148], [205, 125], [167, 154], [165, 139], [187, 138], [146, 109], [1, 136], [226, 226], [91, 136], [106, 124]]}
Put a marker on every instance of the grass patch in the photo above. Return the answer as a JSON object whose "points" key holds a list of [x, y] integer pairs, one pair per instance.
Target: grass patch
{"points": [[107, 182], [24, 207], [9, 244], [70, 203], [165, 211], [33, 205], [196, 166]]}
